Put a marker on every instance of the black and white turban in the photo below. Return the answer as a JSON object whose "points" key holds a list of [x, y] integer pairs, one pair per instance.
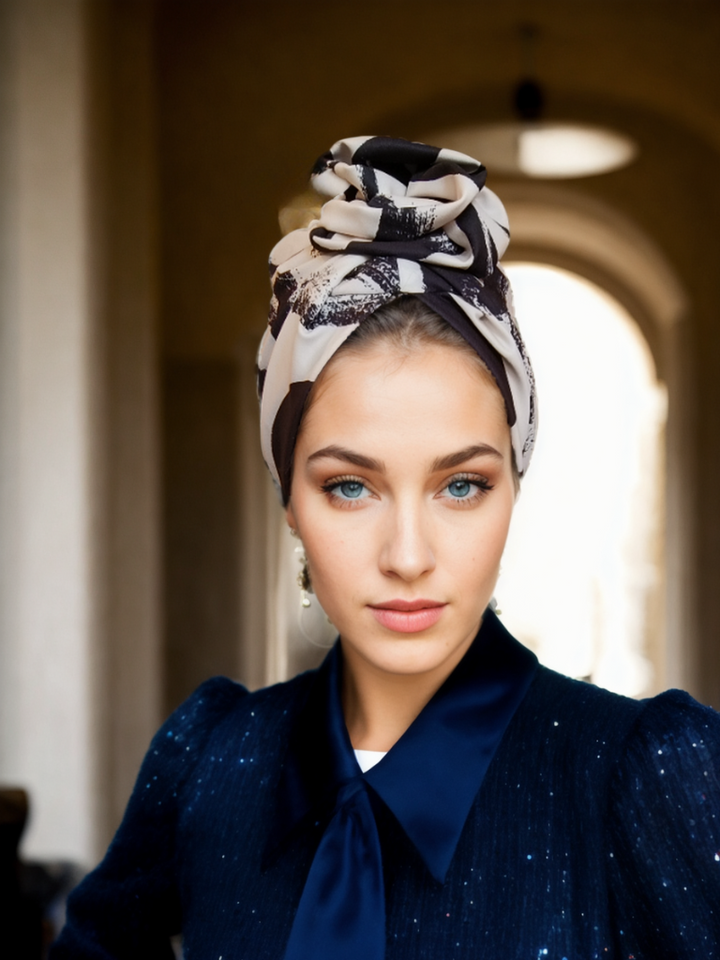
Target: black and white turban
{"points": [[403, 218]]}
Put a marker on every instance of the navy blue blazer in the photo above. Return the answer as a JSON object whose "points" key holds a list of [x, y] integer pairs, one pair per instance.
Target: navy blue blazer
{"points": [[595, 834]]}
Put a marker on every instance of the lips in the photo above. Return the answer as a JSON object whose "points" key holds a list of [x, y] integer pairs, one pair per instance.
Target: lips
{"points": [[408, 616]]}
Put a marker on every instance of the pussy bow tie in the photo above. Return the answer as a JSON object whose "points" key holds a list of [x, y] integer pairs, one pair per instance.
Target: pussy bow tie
{"points": [[428, 780]]}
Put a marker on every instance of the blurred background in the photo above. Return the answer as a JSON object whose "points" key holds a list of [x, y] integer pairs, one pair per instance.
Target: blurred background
{"points": [[150, 151]]}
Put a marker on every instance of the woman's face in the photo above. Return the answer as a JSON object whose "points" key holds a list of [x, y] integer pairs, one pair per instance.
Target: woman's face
{"points": [[402, 494]]}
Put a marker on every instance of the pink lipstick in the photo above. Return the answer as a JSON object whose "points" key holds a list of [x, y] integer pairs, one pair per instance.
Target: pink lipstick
{"points": [[408, 616]]}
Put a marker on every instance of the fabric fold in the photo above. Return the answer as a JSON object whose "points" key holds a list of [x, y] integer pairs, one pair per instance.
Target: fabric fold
{"points": [[391, 203], [341, 913]]}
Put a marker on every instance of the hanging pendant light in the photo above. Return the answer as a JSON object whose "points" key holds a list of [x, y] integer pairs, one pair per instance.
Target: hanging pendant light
{"points": [[543, 150], [532, 147]]}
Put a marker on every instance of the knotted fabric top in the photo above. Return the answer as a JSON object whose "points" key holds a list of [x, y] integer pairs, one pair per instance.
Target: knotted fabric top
{"points": [[403, 218], [429, 780]]}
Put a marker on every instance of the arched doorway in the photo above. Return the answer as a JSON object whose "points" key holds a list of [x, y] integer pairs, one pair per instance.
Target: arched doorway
{"points": [[582, 580], [562, 227]]}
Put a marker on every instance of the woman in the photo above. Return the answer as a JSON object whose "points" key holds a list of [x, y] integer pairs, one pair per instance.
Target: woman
{"points": [[430, 791]]}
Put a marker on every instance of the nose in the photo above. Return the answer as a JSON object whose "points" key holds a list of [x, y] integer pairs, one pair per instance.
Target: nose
{"points": [[407, 549]]}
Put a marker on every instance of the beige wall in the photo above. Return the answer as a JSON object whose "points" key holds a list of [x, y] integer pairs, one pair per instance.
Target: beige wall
{"points": [[79, 451], [47, 585], [124, 271]]}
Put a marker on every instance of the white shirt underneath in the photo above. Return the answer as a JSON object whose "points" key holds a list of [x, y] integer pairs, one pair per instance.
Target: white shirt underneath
{"points": [[368, 758]]}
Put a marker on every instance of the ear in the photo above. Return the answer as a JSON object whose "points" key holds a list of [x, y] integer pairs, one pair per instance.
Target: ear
{"points": [[290, 516]]}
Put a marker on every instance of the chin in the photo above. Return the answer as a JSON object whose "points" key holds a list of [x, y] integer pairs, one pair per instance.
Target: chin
{"points": [[407, 654]]}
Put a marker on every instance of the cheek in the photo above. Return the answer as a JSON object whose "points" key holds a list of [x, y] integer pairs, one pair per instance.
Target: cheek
{"points": [[335, 560], [335, 578], [477, 548]]}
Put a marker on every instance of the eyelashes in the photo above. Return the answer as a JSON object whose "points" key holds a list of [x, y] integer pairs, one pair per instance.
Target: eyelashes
{"points": [[345, 490], [467, 488], [463, 489]]}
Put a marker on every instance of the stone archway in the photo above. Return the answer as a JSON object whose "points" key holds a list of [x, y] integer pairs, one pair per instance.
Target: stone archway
{"points": [[564, 228]]}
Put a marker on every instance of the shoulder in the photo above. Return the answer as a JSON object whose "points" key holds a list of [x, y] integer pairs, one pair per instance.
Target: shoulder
{"points": [[664, 827], [615, 739], [586, 711], [564, 742], [219, 697], [665, 790], [219, 711], [673, 747], [577, 710], [676, 713]]}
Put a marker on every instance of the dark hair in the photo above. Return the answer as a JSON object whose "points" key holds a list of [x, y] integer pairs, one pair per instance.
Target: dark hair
{"points": [[406, 323]]}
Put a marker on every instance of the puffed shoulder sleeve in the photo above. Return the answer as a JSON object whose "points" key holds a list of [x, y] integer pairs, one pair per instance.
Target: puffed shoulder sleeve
{"points": [[128, 907], [664, 820]]}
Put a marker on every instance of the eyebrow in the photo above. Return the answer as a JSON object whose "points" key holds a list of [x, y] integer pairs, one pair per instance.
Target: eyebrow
{"points": [[468, 453], [333, 452], [450, 460]]}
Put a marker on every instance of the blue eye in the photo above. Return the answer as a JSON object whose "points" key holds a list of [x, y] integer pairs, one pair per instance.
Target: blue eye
{"points": [[346, 490], [460, 488], [350, 489], [467, 490]]}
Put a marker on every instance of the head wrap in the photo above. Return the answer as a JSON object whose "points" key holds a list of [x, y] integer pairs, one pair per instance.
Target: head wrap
{"points": [[404, 218]]}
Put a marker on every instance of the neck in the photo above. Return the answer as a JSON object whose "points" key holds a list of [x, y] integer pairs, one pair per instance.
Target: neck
{"points": [[380, 706]]}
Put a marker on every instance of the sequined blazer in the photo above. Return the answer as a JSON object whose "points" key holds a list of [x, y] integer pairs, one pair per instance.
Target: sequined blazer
{"points": [[595, 834]]}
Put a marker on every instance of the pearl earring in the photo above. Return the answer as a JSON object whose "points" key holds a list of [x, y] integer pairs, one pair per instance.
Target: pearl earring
{"points": [[303, 580]]}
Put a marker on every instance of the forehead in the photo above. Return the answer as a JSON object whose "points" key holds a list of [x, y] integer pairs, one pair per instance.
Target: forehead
{"points": [[381, 394]]}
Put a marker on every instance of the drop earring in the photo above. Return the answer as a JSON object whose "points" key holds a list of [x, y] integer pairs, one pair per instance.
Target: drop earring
{"points": [[303, 579], [304, 610]]}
